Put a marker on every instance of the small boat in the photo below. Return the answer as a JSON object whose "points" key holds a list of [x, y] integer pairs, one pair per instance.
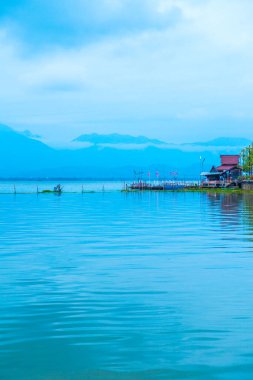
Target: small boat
{"points": [[58, 189], [157, 187], [173, 186]]}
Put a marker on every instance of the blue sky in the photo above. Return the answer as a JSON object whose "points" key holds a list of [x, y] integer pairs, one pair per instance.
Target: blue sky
{"points": [[179, 70]]}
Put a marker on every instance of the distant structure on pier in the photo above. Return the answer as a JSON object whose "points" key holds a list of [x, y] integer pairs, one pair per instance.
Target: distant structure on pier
{"points": [[224, 175]]}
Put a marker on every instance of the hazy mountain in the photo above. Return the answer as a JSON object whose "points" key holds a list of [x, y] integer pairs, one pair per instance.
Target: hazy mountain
{"points": [[19, 153], [23, 156], [224, 142], [31, 135], [116, 138]]}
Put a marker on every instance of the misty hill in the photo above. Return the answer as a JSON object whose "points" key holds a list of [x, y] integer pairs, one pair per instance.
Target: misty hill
{"points": [[20, 155], [224, 142], [116, 138], [23, 156]]}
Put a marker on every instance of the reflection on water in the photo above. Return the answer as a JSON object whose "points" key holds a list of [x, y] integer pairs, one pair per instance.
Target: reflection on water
{"points": [[126, 286]]}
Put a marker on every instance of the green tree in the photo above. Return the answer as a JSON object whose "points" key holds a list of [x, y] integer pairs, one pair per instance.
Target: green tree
{"points": [[247, 159]]}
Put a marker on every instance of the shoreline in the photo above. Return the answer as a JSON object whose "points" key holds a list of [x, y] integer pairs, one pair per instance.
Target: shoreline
{"points": [[137, 191], [192, 190]]}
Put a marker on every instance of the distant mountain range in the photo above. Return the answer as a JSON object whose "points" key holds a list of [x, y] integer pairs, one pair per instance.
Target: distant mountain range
{"points": [[224, 141], [116, 138], [23, 156]]}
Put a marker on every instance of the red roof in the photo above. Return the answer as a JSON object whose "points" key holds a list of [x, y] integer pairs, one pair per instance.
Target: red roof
{"points": [[230, 159], [225, 167]]}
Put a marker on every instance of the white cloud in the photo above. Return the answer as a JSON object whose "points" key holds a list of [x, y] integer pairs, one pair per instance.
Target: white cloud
{"points": [[199, 68]]}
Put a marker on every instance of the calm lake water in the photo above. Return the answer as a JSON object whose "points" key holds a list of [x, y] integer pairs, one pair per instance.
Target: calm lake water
{"points": [[116, 286], [8, 187]]}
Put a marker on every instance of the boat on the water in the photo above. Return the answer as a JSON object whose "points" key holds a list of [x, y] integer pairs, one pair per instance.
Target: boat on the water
{"points": [[173, 186], [58, 189]]}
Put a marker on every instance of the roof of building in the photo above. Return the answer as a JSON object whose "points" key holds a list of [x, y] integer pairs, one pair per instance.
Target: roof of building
{"points": [[223, 168], [230, 159], [213, 169], [205, 174]]}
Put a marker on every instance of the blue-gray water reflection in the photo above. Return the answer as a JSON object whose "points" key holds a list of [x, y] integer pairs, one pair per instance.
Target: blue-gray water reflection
{"points": [[126, 286]]}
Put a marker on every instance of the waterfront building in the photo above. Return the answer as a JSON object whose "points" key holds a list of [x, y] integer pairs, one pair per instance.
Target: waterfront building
{"points": [[224, 175]]}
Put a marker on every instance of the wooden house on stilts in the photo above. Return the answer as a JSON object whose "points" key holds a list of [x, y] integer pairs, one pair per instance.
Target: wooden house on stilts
{"points": [[224, 175]]}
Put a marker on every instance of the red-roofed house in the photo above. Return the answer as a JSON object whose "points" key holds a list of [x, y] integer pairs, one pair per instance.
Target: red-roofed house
{"points": [[224, 174]]}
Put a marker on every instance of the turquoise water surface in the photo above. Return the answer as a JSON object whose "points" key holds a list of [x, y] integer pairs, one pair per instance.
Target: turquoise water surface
{"points": [[126, 286]]}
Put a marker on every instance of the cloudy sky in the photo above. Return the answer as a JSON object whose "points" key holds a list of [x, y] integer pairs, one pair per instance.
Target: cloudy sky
{"points": [[179, 70]]}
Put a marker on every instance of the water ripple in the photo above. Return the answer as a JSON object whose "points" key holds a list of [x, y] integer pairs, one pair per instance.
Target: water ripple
{"points": [[126, 286]]}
